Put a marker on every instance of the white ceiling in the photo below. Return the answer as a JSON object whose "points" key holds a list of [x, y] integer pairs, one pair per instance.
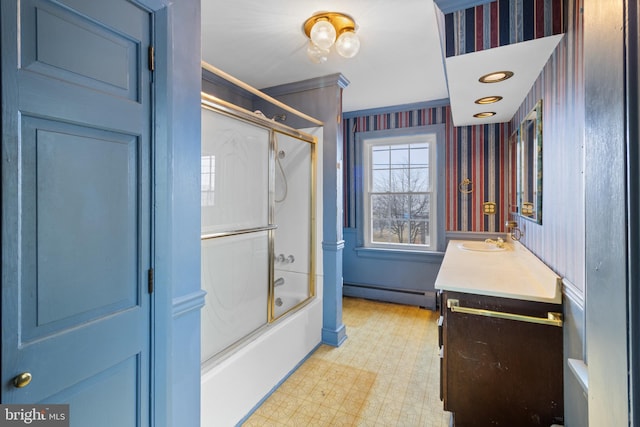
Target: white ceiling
{"points": [[261, 42], [525, 60]]}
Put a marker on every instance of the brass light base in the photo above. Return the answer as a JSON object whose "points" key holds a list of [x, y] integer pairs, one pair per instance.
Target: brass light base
{"points": [[340, 21]]}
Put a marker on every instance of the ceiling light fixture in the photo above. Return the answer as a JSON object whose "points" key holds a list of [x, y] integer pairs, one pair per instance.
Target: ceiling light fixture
{"points": [[495, 77], [488, 100], [324, 29], [484, 114]]}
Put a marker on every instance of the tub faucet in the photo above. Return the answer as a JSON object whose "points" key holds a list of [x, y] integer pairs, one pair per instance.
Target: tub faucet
{"points": [[498, 242], [278, 282]]}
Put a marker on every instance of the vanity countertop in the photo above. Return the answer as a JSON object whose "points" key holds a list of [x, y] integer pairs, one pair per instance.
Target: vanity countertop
{"points": [[514, 272]]}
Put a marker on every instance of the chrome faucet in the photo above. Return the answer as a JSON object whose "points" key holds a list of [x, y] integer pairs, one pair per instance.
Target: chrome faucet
{"points": [[498, 242]]}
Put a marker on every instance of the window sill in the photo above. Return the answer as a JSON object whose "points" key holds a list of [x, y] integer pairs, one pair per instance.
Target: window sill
{"points": [[400, 255]]}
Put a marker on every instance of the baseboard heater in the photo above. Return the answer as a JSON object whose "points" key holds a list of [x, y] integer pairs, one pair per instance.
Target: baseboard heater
{"points": [[382, 288], [417, 297]]}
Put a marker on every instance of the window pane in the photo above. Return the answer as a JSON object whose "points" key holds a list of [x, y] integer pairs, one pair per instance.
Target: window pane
{"points": [[380, 231], [420, 155], [419, 206], [380, 181], [398, 231], [399, 180], [380, 206], [398, 207], [419, 179], [419, 232], [399, 155], [390, 231], [380, 157]]}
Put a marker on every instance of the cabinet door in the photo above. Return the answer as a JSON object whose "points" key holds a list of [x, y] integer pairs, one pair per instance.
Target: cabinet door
{"points": [[501, 372]]}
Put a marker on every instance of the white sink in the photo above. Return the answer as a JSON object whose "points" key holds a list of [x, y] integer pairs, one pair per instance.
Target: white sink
{"points": [[483, 268], [481, 247]]}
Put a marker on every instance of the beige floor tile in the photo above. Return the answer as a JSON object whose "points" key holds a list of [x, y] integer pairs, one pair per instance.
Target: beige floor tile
{"points": [[258, 420], [326, 414], [385, 374], [344, 419]]}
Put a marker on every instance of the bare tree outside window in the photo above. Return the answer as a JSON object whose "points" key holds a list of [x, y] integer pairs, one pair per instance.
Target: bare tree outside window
{"points": [[400, 199]]}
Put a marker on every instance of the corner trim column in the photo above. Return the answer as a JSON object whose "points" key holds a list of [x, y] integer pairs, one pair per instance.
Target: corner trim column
{"points": [[334, 332], [322, 98]]}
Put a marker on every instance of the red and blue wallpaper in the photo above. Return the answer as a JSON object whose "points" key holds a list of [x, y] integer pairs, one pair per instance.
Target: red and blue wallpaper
{"points": [[478, 153], [501, 23]]}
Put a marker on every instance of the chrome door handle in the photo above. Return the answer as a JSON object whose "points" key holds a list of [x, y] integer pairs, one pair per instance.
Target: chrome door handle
{"points": [[22, 380]]}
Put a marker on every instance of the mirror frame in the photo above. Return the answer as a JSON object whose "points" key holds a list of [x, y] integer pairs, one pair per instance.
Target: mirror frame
{"points": [[514, 175], [529, 169]]}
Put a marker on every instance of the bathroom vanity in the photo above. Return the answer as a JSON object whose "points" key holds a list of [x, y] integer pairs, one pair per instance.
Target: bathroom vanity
{"points": [[500, 336]]}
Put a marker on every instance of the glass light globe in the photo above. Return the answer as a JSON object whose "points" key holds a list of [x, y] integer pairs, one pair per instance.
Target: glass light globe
{"points": [[348, 44], [316, 54], [323, 34]]}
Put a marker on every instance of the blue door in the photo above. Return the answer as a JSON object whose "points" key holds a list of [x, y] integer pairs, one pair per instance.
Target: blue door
{"points": [[76, 211]]}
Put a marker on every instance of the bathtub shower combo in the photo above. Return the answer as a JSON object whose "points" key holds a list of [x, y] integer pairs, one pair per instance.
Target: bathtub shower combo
{"points": [[258, 239]]}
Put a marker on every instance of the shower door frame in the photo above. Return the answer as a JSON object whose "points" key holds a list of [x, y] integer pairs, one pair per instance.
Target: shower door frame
{"points": [[225, 108]]}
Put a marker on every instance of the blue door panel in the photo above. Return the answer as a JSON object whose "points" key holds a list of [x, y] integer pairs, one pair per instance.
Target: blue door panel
{"points": [[81, 203], [65, 360], [125, 17], [60, 33], [115, 389]]}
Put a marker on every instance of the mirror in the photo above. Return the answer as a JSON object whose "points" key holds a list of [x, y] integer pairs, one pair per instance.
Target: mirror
{"points": [[529, 169]]}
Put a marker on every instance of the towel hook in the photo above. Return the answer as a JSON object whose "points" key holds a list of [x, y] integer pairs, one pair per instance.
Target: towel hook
{"points": [[466, 186]]}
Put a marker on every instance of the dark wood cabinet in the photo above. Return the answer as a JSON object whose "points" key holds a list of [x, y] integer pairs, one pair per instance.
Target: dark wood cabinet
{"points": [[497, 371]]}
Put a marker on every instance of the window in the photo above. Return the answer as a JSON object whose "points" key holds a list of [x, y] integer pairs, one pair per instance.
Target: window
{"points": [[207, 180], [400, 190]]}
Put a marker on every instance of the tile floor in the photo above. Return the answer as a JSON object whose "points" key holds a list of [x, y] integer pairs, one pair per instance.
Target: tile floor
{"points": [[385, 374]]}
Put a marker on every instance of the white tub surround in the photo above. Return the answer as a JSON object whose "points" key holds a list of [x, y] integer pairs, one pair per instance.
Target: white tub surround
{"points": [[233, 387], [508, 272]]}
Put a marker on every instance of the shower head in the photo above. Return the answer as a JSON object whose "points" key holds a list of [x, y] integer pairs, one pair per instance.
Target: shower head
{"points": [[282, 117]]}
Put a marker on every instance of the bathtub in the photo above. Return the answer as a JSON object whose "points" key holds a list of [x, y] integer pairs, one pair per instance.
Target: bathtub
{"points": [[231, 388]]}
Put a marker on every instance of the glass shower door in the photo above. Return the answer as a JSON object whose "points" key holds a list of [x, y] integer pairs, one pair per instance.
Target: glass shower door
{"points": [[293, 214], [235, 230]]}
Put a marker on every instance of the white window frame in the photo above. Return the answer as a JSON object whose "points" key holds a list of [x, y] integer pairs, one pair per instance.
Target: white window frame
{"points": [[434, 135]]}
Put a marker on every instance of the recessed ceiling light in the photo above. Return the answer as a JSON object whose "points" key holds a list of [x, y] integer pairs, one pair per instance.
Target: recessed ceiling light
{"points": [[484, 114], [488, 99], [496, 77]]}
